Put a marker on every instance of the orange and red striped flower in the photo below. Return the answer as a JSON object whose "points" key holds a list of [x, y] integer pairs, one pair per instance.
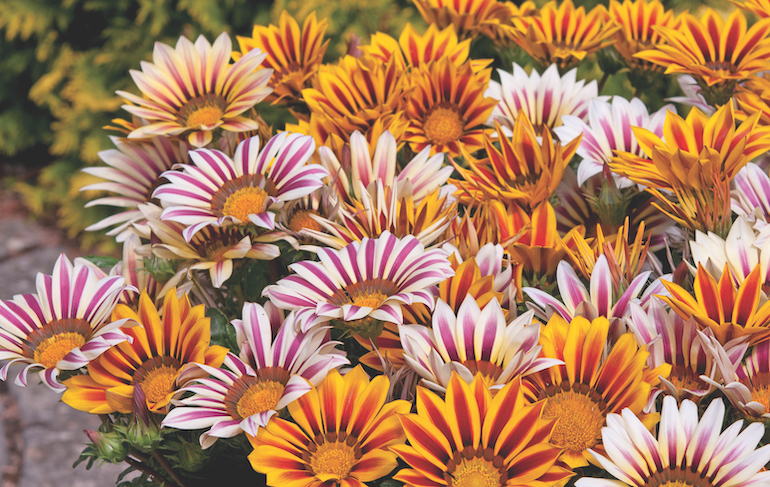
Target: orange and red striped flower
{"points": [[638, 21]]}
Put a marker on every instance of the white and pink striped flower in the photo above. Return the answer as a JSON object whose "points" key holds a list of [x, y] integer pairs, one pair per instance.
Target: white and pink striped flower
{"points": [[219, 191], [473, 341], [135, 168], [685, 452], [609, 129], [62, 327], [276, 366], [677, 342], [545, 99], [599, 301], [353, 177], [370, 279], [751, 199], [193, 87]]}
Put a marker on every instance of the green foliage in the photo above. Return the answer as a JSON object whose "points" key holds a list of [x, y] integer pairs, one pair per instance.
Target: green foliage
{"points": [[60, 64]]}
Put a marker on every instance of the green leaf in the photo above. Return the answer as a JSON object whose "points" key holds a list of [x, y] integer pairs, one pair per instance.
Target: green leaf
{"points": [[222, 332], [102, 261]]}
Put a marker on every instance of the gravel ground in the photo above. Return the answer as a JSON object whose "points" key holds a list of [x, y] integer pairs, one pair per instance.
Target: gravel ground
{"points": [[40, 437]]}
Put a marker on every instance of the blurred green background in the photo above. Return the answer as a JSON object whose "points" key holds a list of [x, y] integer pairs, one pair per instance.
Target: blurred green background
{"points": [[62, 60]]}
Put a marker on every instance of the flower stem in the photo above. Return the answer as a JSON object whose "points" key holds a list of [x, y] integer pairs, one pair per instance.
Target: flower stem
{"points": [[152, 474], [164, 463]]}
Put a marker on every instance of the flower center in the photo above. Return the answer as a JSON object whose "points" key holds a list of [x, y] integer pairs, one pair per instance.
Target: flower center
{"points": [[333, 461], [476, 472], [158, 383], [244, 202], [443, 125], [259, 397], [371, 299], [54, 348], [205, 110], [580, 420], [303, 220], [684, 378], [761, 395]]}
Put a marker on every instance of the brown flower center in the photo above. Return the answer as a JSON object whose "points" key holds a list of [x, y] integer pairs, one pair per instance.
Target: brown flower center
{"points": [[55, 348], [302, 219], [580, 420], [52, 342], [205, 110], [443, 125], [157, 377]]}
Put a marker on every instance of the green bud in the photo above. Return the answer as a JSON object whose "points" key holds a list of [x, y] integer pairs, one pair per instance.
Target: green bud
{"points": [[109, 447]]}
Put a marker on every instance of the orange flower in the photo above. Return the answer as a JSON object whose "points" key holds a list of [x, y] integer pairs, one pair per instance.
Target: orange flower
{"points": [[523, 171], [473, 17], [294, 55], [761, 8], [564, 35], [716, 53], [447, 107], [637, 21], [413, 49]]}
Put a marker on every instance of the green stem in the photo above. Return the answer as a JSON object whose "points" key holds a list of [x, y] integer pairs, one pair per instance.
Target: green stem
{"points": [[603, 81], [164, 463], [152, 474]]}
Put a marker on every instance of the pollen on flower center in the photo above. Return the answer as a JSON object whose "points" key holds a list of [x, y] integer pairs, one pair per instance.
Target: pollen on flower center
{"points": [[580, 420], [303, 220], [259, 397], [443, 125], [205, 115], [476, 472], [158, 383], [761, 395], [333, 461], [56, 347], [244, 202], [371, 299]]}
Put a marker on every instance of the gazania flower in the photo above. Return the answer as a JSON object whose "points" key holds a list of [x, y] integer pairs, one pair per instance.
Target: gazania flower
{"points": [[362, 283], [473, 342], [746, 384], [366, 163], [730, 311], [293, 55], [474, 438], [216, 190], [213, 248], [356, 94], [563, 35], [717, 53], [603, 299], [524, 170], [447, 107], [342, 434], [64, 326], [696, 163], [413, 49], [754, 96], [739, 252], [760, 8], [472, 17], [675, 341], [685, 452], [277, 365], [610, 131], [750, 198], [299, 216], [157, 358], [135, 171], [638, 21], [545, 99], [591, 384], [387, 208], [693, 94], [194, 88], [482, 278]]}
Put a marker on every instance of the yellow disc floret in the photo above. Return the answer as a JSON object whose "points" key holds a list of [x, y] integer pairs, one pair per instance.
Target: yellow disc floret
{"points": [[443, 125], [259, 397], [333, 461], [158, 383], [244, 202], [580, 421], [55, 348], [476, 472]]}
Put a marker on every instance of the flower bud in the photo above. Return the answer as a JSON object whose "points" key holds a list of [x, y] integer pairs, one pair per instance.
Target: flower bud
{"points": [[109, 447]]}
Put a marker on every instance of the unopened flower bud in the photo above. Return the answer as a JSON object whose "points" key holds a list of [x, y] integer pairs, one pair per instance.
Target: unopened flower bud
{"points": [[109, 447]]}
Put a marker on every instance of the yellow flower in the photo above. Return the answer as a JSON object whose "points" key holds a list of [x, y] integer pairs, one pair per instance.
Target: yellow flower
{"points": [[362, 94], [293, 55], [413, 49], [523, 171], [728, 311], [754, 96], [716, 53], [564, 35], [591, 384], [154, 360], [342, 435], [761, 8], [697, 161], [473, 17], [637, 21], [447, 107], [473, 439]]}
